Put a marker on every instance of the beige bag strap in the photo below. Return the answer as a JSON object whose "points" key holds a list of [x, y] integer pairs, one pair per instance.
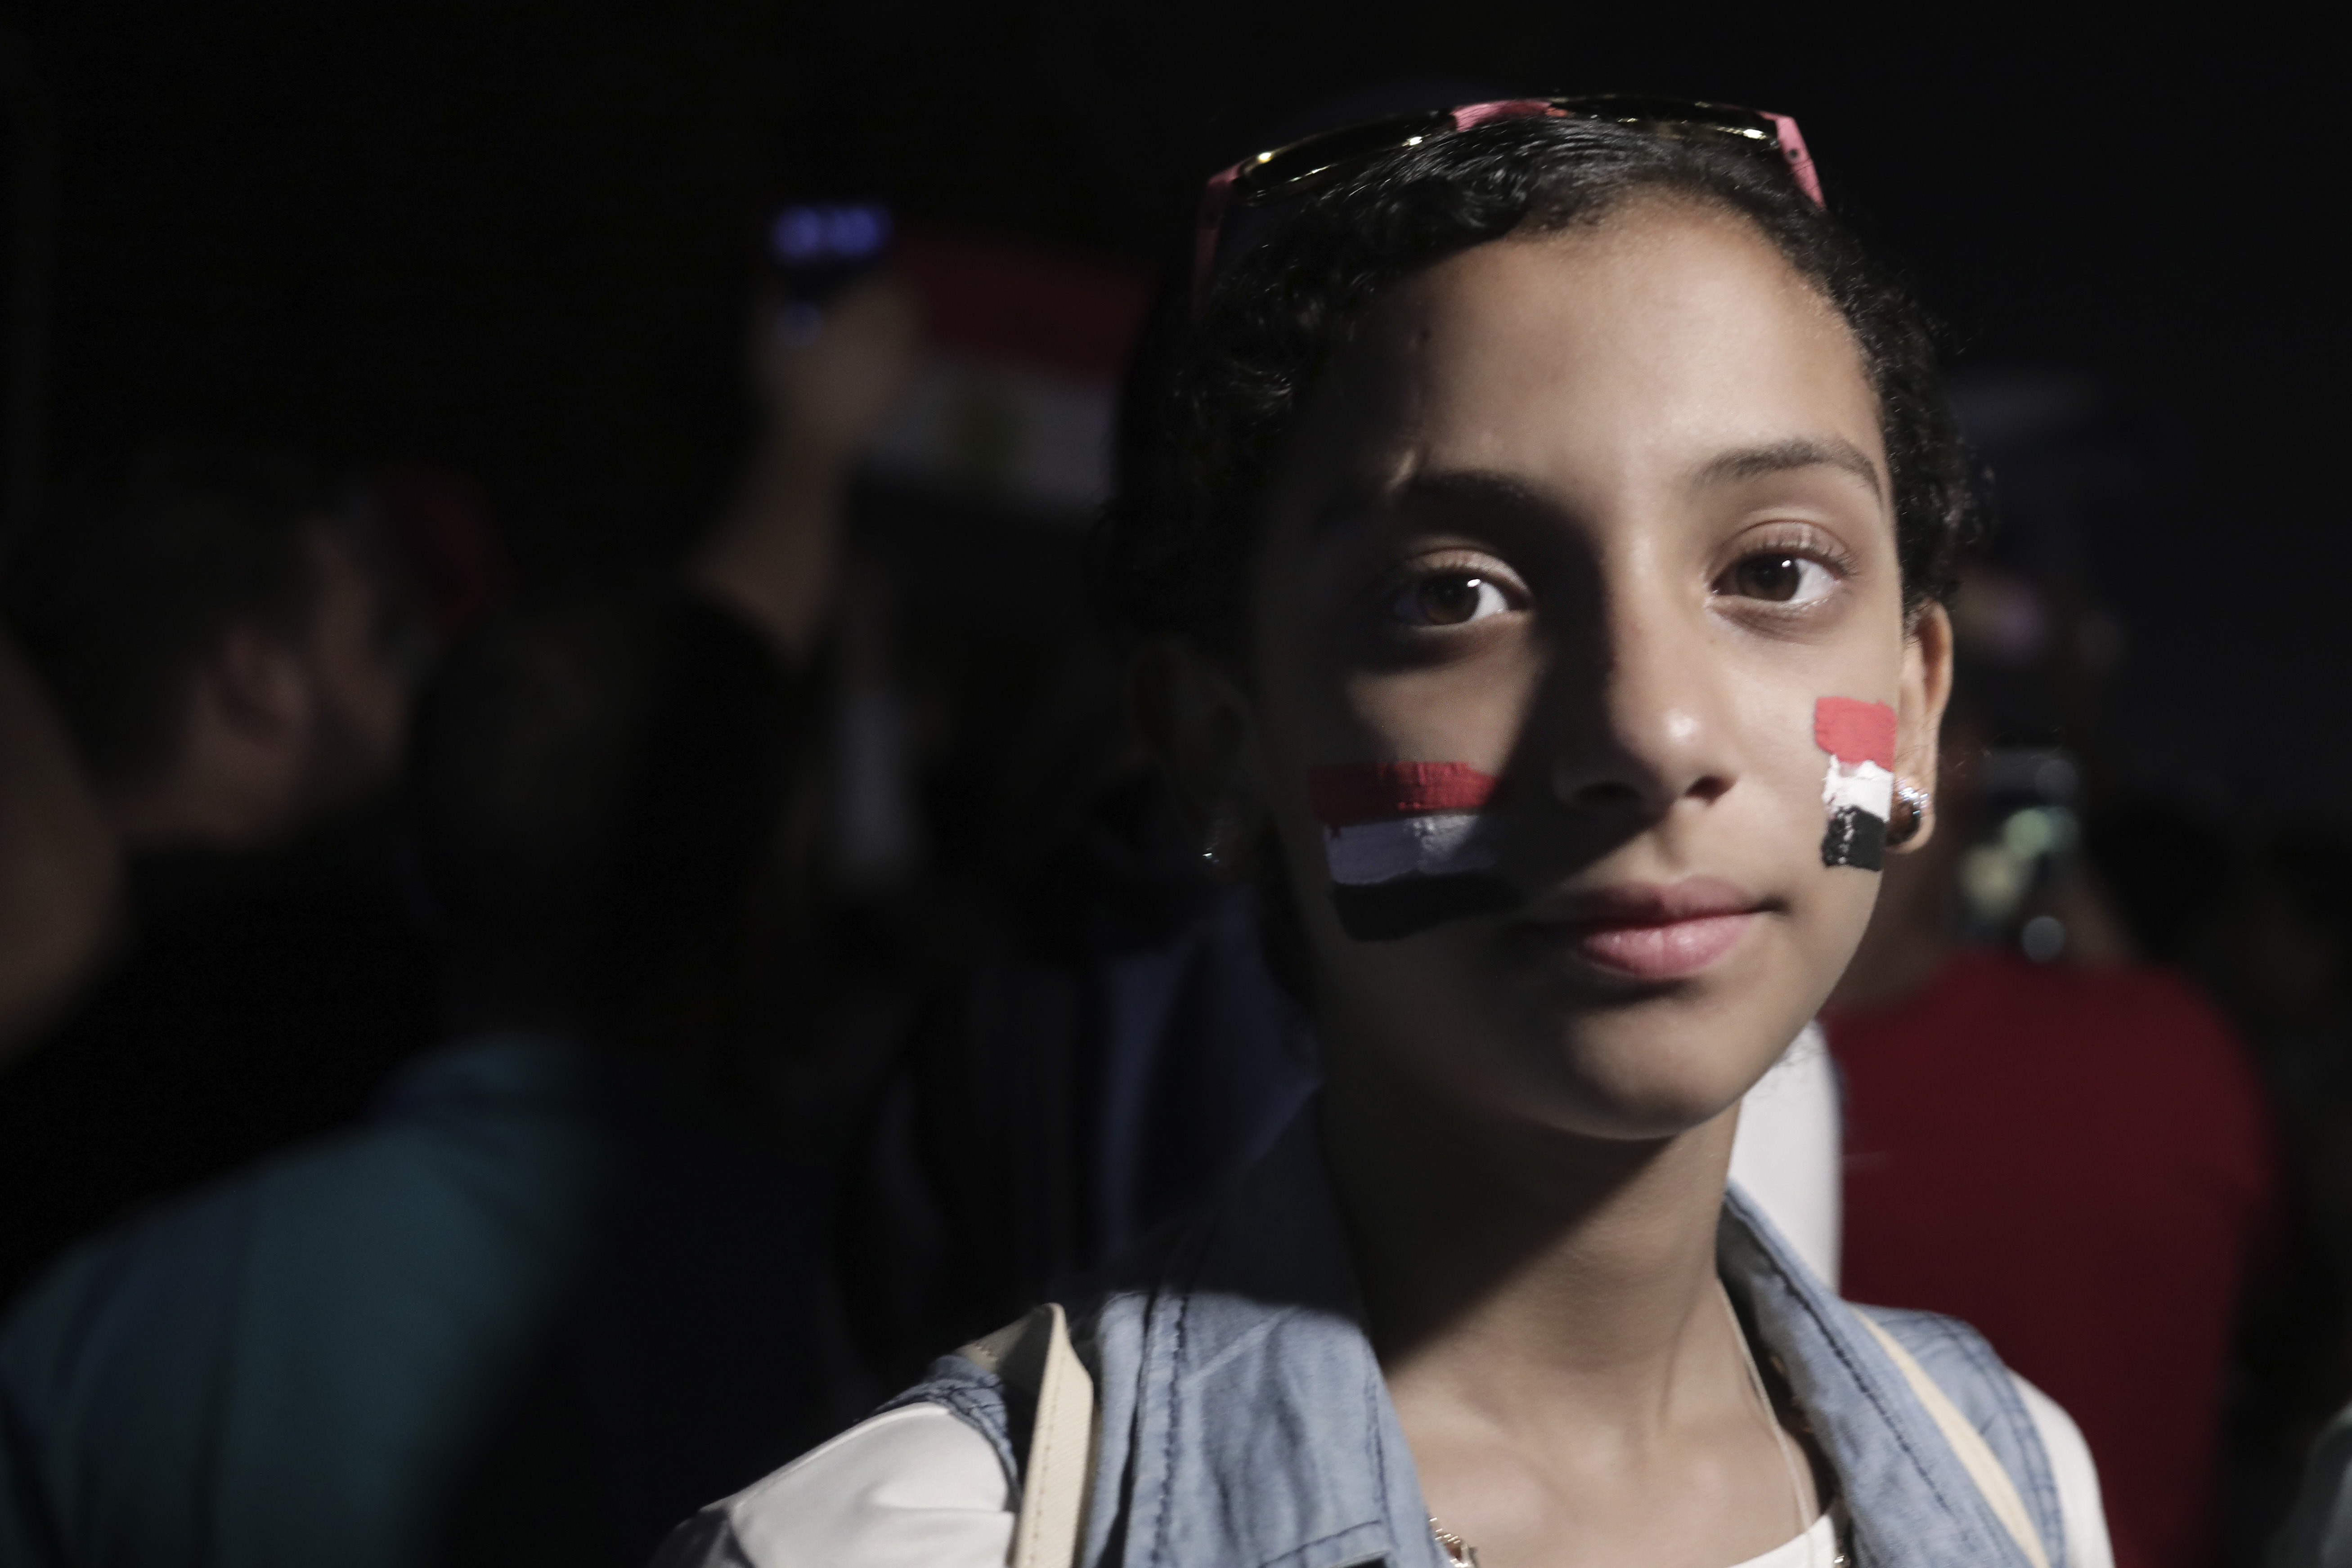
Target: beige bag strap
{"points": [[1035, 1358], [1968, 1444]]}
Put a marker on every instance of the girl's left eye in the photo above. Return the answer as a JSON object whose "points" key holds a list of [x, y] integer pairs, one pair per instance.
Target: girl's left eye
{"points": [[1777, 577], [1448, 599]]}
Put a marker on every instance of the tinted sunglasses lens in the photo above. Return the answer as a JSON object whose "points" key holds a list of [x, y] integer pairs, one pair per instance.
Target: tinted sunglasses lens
{"points": [[1301, 165], [1680, 117]]}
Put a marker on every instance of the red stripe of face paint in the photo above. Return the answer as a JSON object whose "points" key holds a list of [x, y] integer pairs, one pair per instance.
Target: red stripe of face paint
{"points": [[1376, 791], [1853, 730]]}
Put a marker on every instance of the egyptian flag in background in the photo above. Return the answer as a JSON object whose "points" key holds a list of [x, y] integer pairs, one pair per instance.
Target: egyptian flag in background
{"points": [[1859, 791], [1408, 845]]}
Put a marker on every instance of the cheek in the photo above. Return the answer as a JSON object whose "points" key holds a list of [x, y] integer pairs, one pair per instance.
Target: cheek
{"points": [[1856, 736], [1405, 846], [1475, 708]]}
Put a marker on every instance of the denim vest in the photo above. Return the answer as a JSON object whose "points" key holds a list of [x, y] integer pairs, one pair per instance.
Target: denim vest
{"points": [[1244, 1422]]}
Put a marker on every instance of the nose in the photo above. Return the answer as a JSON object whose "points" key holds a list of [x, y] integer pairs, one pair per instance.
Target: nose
{"points": [[1643, 713]]}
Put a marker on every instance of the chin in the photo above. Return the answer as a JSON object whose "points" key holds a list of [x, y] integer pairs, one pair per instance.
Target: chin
{"points": [[1636, 1112], [1631, 1076], [1515, 1030]]}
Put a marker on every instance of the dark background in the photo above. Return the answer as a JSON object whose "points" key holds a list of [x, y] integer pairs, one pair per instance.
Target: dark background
{"points": [[514, 239]]}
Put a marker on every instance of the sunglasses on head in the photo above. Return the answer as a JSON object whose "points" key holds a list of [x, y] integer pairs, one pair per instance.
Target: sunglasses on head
{"points": [[1292, 173]]}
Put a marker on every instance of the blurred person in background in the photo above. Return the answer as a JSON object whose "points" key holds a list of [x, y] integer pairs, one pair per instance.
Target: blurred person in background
{"points": [[232, 643], [231, 646], [58, 860], [2276, 946], [2070, 1150], [2023, 1019], [2280, 955], [225, 653], [560, 1287], [823, 386], [1022, 1027]]}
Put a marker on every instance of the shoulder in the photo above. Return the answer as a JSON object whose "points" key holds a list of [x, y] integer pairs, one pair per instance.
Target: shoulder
{"points": [[2076, 1476], [350, 1225], [2034, 1438], [432, 1245], [914, 1485], [112, 1385]]}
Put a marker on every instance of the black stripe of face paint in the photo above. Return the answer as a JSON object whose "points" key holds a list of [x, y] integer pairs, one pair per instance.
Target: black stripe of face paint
{"points": [[1407, 906], [1855, 838]]}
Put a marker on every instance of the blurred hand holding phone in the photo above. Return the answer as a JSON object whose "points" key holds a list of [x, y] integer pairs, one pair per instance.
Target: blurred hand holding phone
{"points": [[835, 340], [817, 252]]}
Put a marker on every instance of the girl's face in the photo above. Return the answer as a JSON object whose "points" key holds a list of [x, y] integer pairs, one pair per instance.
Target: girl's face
{"points": [[1593, 523]]}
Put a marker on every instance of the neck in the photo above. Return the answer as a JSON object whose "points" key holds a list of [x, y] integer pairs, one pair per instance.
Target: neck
{"points": [[1526, 1268]]}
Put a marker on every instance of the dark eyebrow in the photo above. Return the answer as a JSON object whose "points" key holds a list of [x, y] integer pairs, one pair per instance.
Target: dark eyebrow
{"points": [[1798, 452], [1475, 487]]}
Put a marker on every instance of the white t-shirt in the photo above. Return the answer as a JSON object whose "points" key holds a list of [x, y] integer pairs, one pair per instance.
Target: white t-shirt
{"points": [[1788, 1154], [921, 1488]]}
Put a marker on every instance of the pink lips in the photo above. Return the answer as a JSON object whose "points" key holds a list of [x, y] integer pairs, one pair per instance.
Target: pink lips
{"points": [[1664, 952], [1652, 933]]}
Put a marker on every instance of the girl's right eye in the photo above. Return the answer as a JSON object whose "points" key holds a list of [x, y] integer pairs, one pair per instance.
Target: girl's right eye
{"points": [[1449, 598]]}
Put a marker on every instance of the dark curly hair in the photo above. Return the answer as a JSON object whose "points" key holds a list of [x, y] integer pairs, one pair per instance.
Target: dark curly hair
{"points": [[1214, 399]]}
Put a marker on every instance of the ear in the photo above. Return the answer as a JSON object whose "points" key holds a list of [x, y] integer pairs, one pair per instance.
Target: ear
{"points": [[260, 687], [1919, 713], [1196, 720]]}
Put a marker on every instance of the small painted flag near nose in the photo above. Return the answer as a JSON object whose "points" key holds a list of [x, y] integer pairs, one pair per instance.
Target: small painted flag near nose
{"points": [[1408, 845], [1859, 791]]}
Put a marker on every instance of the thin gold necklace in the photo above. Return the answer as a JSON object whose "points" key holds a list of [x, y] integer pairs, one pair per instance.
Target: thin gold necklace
{"points": [[1788, 1450], [1460, 1553]]}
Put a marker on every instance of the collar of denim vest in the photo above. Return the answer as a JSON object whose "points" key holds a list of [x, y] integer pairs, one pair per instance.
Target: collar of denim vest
{"points": [[1257, 1428]]}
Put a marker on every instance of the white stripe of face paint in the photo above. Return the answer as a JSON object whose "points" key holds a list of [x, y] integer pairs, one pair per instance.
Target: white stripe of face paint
{"points": [[1444, 843], [1862, 785]]}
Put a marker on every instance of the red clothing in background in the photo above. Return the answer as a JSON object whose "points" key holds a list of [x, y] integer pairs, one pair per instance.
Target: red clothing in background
{"points": [[2080, 1162]]}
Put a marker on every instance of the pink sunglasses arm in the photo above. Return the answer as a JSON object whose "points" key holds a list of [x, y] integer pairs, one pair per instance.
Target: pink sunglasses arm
{"points": [[1212, 221], [1792, 147]]}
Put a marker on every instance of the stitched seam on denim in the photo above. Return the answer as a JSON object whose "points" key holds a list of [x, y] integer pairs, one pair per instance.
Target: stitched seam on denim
{"points": [[987, 1417], [1977, 1356], [1304, 1547], [1375, 1395], [1246, 1340], [2040, 1483], [1959, 1515], [1770, 1265], [1115, 1505], [1184, 1264], [928, 1389], [1163, 1504]]}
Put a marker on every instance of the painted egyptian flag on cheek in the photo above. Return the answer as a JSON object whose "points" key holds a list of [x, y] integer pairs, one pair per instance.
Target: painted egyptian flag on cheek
{"points": [[1409, 845], [1859, 792]]}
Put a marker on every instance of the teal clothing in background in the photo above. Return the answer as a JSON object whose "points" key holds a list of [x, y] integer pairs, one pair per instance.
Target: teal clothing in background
{"points": [[459, 1327]]}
